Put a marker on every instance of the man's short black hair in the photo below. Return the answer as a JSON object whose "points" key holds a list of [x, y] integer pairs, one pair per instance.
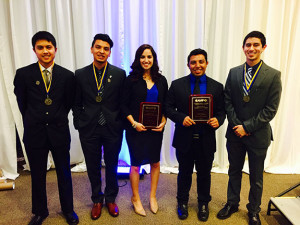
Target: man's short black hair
{"points": [[197, 51], [43, 35], [103, 37], [256, 34]]}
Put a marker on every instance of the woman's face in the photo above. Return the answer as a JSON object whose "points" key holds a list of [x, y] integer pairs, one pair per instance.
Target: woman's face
{"points": [[146, 59]]}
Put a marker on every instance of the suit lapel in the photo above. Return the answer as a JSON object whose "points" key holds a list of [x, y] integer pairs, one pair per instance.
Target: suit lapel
{"points": [[91, 78], [38, 79], [109, 79], [261, 76], [240, 78]]}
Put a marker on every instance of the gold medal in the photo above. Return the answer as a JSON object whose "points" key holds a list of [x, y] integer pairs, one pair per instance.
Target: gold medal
{"points": [[48, 101], [246, 98], [98, 98]]}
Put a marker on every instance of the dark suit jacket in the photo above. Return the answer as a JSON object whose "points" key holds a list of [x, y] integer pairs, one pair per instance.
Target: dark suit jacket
{"points": [[177, 108], [135, 92], [256, 114], [86, 110], [40, 120]]}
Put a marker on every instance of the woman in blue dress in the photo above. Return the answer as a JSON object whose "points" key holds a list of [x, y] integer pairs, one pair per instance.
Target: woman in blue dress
{"points": [[145, 83]]}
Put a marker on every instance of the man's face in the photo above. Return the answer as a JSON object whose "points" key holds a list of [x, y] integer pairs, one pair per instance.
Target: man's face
{"points": [[197, 65], [253, 49], [101, 51], [45, 52]]}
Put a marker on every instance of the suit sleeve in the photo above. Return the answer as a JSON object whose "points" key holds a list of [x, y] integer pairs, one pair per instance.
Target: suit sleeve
{"points": [[229, 108], [70, 91], [165, 91], [171, 106], [78, 104], [20, 92], [269, 111], [126, 97], [219, 108]]}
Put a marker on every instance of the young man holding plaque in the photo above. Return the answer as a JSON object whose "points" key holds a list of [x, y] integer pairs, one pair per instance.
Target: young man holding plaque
{"points": [[98, 120], [144, 94], [45, 93], [195, 142], [252, 95]]}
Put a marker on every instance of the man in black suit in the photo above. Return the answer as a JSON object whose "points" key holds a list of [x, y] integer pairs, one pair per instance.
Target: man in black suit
{"points": [[45, 96], [195, 143], [97, 118], [252, 95]]}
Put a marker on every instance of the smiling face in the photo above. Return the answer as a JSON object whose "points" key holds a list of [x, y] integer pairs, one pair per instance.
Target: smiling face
{"points": [[101, 52], [146, 59], [197, 65], [253, 49], [45, 52]]}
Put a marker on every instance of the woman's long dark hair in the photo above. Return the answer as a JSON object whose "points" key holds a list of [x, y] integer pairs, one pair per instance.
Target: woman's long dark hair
{"points": [[137, 70]]}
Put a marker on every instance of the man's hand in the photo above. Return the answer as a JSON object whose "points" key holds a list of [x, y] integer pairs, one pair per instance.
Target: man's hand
{"points": [[240, 131], [188, 122], [213, 122]]}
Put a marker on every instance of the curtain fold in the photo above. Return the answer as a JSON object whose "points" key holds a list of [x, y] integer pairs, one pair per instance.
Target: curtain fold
{"points": [[173, 28]]}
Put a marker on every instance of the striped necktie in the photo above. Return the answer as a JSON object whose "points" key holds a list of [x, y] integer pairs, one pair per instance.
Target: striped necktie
{"points": [[248, 79]]}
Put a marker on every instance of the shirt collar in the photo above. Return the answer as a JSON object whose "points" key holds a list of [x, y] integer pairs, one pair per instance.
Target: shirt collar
{"points": [[50, 68], [202, 78]]}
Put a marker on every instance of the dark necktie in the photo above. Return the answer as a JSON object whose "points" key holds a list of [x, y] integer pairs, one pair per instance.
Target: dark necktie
{"points": [[197, 86], [101, 120]]}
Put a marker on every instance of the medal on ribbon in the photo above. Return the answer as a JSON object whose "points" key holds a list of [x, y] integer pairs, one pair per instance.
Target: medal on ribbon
{"points": [[99, 84], [248, 85], [48, 100]]}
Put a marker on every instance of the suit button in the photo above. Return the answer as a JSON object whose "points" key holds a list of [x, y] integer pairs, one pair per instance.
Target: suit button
{"points": [[47, 113], [46, 124]]}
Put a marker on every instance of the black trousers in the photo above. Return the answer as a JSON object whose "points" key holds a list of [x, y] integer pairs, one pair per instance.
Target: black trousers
{"points": [[92, 150], [256, 158], [37, 158], [202, 158]]}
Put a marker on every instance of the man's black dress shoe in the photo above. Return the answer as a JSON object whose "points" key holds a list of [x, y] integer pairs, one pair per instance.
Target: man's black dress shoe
{"points": [[227, 211], [182, 211], [71, 218], [254, 219], [203, 212], [37, 220]]}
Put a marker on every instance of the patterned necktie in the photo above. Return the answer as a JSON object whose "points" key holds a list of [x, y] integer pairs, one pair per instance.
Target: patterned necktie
{"points": [[101, 120], [197, 87], [248, 80], [47, 77]]}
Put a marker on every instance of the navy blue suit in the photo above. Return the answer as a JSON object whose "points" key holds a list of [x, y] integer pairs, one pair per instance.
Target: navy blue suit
{"points": [[93, 136], [190, 151], [46, 127]]}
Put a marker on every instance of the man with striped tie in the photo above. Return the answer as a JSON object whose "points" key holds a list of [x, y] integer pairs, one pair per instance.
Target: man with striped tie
{"points": [[97, 117], [252, 95]]}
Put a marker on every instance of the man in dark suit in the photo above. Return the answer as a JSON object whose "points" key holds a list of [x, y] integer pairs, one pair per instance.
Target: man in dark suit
{"points": [[252, 94], [97, 118], [195, 143], [45, 96]]}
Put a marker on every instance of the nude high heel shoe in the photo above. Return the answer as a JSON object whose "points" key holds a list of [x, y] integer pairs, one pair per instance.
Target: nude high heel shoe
{"points": [[139, 211], [153, 205]]}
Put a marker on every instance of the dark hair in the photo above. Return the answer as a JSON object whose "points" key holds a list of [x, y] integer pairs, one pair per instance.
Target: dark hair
{"points": [[43, 35], [197, 51], [137, 70], [103, 37], [256, 34]]}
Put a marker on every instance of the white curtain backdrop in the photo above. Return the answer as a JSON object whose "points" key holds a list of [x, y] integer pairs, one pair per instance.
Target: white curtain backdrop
{"points": [[173, 28]]}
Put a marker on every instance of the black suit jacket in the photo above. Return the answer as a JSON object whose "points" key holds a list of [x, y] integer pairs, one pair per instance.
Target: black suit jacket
{"points": [[45, 121], [177, 108], [135, 92], [86, 110], [256, 114]]}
